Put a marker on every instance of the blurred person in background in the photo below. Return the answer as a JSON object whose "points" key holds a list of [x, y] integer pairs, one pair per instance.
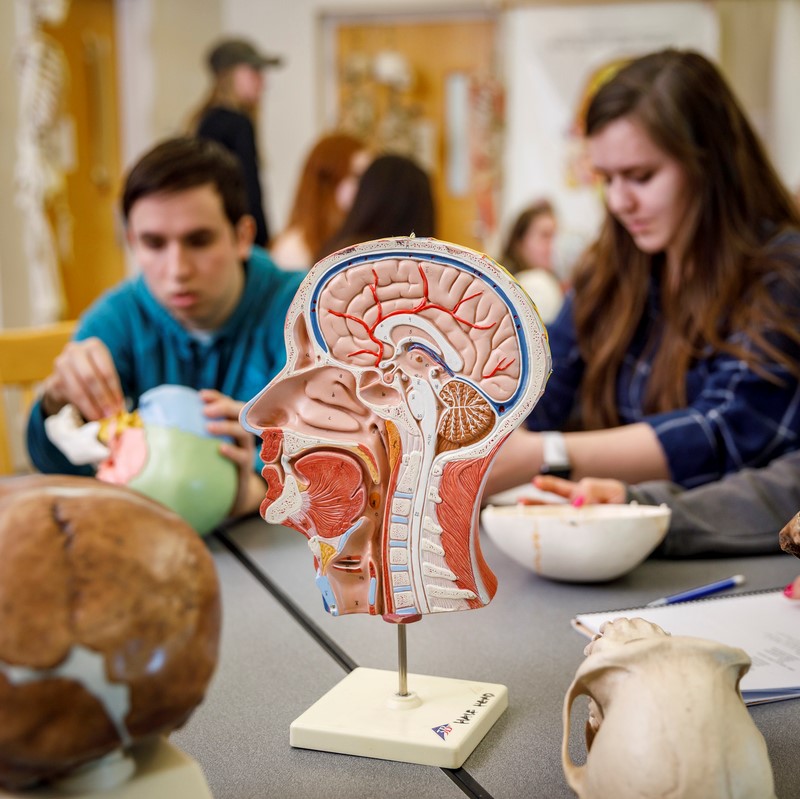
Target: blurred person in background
{"points": [[528, 254], [394, 198], [325, 193], [206, 310], [229, 114]]}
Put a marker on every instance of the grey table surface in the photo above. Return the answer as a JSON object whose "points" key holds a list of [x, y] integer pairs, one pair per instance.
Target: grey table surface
{"points": [[280, 652]]}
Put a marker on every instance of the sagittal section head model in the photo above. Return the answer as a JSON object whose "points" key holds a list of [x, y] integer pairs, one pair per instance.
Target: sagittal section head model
{"points": [[409, 361]]}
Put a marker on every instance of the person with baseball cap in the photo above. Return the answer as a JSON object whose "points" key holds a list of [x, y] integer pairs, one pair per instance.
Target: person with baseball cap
{"points": [[229, 113]]}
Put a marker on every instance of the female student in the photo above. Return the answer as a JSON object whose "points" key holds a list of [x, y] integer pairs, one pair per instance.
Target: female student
{"points": [[528, 255], [325, 192], [394, 198], [678, 351]]}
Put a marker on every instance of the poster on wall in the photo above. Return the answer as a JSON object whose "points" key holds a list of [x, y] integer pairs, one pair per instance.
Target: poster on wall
{"points": [[555, 58]]}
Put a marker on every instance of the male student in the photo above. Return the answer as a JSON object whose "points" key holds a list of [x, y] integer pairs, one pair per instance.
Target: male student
{"points": [[207, 310]]}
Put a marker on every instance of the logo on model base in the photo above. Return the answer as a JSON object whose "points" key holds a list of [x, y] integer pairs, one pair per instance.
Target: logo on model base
{"points": [[443, 730]]}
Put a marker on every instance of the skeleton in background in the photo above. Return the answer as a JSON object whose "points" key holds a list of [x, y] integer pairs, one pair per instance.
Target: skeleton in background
{"points": [[665, 719], [40, 170]]}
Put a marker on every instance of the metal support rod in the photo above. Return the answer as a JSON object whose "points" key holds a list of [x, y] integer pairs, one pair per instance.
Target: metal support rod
{"points": [[402, 662]]}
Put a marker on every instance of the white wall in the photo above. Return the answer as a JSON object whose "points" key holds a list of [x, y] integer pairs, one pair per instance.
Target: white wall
{"points": [[161, 69], [785, 93], [162, 74]]}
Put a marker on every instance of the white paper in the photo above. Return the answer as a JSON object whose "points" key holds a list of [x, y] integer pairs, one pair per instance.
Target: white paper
{"points": [[765, 624]]}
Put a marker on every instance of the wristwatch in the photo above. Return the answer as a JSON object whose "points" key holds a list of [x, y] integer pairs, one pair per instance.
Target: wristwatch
{"points": [[555, 458]]}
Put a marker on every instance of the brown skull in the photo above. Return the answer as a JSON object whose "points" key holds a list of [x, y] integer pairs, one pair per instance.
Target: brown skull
{"points": [[109, 623], [789, 537]]}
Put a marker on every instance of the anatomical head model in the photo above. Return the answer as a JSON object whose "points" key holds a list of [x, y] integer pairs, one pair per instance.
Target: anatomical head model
{"points": [[409, 361], [109, 623]]}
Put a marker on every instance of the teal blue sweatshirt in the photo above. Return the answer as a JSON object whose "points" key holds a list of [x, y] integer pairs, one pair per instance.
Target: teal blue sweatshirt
{"points": [[151, 348]]}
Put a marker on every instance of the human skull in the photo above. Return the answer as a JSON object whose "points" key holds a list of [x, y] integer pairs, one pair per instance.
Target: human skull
{"points": [[665, 719], [109, 623]]}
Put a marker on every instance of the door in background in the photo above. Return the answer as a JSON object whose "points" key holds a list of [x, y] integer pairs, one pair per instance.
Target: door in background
{"points": [[426, 87]]}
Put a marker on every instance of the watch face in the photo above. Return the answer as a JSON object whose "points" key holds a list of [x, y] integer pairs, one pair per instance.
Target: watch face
{"points": [[564, 472]]}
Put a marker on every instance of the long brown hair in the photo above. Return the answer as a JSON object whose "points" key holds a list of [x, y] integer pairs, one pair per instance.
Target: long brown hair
{"points": [[689, 111], [221, 95], [315, 212]]}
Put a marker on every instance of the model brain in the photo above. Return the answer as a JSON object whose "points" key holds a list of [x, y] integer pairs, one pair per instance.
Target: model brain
{"points": [[109, 623], [365, 317]]}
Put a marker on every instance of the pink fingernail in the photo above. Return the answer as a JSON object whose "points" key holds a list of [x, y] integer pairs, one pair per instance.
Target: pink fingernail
{"points": [[578, 501], [789, 591]]}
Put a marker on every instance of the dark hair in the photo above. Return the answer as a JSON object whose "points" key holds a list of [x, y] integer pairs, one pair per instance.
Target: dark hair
{"points": [[510, 258], [394, 198], [684, 104], [185, 163]]}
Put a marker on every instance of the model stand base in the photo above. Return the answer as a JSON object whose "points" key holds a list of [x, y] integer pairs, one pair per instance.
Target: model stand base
{"points": [[152, 770], [438, 723]]}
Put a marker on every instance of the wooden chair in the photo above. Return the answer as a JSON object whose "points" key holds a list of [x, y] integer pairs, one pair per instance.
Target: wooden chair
{"points": [[26, 358]]}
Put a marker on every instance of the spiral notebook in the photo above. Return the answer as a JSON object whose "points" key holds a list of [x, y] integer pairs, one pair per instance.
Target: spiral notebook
{"points": [[763, 623]]}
